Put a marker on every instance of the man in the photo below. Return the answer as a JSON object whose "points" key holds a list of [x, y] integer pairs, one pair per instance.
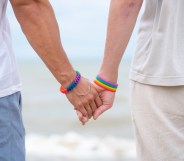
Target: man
{"points": [[157, 75], [38, 23]]}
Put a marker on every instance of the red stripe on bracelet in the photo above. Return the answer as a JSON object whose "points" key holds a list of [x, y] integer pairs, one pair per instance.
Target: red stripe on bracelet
{"points": [[104, 87]]}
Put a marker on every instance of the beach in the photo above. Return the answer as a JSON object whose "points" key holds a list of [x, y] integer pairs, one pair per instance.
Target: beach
{"points": [[53, 132]]}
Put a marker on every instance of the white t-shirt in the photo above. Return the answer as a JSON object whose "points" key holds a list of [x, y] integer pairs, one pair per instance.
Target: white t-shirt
{"points": [[9, 77], [159, 55]]}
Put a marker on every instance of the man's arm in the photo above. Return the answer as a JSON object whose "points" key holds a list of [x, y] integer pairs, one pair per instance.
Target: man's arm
{"points": [[122, 18], [39, 24]]}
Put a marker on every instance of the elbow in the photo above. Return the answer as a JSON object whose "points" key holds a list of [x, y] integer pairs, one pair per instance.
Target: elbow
{"points": [[128, 4], [129, 7], [21, 3], [26, 11], [27, 7], [23, 8], [16, 3], [135, 4]]}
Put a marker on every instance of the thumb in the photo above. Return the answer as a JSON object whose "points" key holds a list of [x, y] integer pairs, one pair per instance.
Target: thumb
{"points": [[99, 111]]}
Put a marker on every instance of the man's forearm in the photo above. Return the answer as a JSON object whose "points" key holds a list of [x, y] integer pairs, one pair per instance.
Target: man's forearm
{"points": [[39, 24], [122, 18]]}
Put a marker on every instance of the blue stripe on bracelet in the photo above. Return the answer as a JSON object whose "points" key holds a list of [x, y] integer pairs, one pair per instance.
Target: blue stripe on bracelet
{"points": [[106, 83], [75, 82]]}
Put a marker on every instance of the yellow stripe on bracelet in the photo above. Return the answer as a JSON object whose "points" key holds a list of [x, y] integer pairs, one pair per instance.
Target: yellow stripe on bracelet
{"points": [[104, 86]]}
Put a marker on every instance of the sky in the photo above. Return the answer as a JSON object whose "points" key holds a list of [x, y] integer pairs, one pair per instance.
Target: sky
{"points": [[82, 24]]}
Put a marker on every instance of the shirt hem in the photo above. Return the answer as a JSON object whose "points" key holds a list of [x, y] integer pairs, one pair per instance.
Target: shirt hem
{"points": [[11, 90], [157, 81]]}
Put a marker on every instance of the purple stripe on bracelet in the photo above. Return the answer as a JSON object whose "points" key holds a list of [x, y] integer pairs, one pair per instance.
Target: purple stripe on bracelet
{"points": [[77, 78], [108, 81]]}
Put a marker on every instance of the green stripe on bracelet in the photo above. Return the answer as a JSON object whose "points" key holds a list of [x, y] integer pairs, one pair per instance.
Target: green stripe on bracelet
{"points": [[104, 86], [107, 84]]}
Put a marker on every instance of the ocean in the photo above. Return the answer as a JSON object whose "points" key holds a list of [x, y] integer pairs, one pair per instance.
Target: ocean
{"points": [[53, 132]]}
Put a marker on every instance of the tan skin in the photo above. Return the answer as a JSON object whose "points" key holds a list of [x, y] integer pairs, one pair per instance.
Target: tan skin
{"points": [[38, 22], [122, 19]]}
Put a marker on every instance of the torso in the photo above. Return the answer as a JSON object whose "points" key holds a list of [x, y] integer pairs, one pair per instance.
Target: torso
{"points": [[9, 78], [159, 56]]}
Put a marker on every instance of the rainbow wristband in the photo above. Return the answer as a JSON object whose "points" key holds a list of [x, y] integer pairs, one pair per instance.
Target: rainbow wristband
{"points": [[72, 85], [105, 84]]}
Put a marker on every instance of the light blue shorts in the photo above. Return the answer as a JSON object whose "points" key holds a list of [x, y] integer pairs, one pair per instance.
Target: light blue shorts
{"points": [[12, 133]]}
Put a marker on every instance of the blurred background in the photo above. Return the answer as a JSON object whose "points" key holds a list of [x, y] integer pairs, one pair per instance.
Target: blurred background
{"points": [[53, 130]]}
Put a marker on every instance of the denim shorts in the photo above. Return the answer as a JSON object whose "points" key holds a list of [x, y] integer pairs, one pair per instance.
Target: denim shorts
{"points": [[12, 133]]}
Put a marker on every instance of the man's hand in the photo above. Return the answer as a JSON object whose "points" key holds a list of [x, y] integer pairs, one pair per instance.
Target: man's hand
{"points": [[85, 98], [107, 99]]}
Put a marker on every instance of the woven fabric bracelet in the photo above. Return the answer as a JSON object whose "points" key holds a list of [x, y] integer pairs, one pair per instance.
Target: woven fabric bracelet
{"points": [[72, 85], [105, 84]]}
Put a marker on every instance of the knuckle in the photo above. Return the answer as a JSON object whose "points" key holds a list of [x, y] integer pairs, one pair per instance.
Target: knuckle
{"points": [[91, 97], [76, 108], [95, 94], [79, 105], [94, 108], [84, 102], [91, 113], [85, 113]]}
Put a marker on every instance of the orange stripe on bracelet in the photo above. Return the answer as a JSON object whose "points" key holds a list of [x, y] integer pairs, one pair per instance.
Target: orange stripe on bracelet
{"points": [[105, 87]]}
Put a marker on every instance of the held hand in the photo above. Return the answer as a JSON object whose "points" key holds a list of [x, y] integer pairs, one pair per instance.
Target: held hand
{"points": [[85, 98], [107, 98]]}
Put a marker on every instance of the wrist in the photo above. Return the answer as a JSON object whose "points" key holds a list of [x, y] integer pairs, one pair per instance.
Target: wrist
{"points": [[107, 85], [72, 85], [67, 77], [111, 76]]}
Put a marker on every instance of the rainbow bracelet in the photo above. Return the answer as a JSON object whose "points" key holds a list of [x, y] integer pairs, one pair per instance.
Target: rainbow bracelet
{"points": [[72, 85], [105, 84]]}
